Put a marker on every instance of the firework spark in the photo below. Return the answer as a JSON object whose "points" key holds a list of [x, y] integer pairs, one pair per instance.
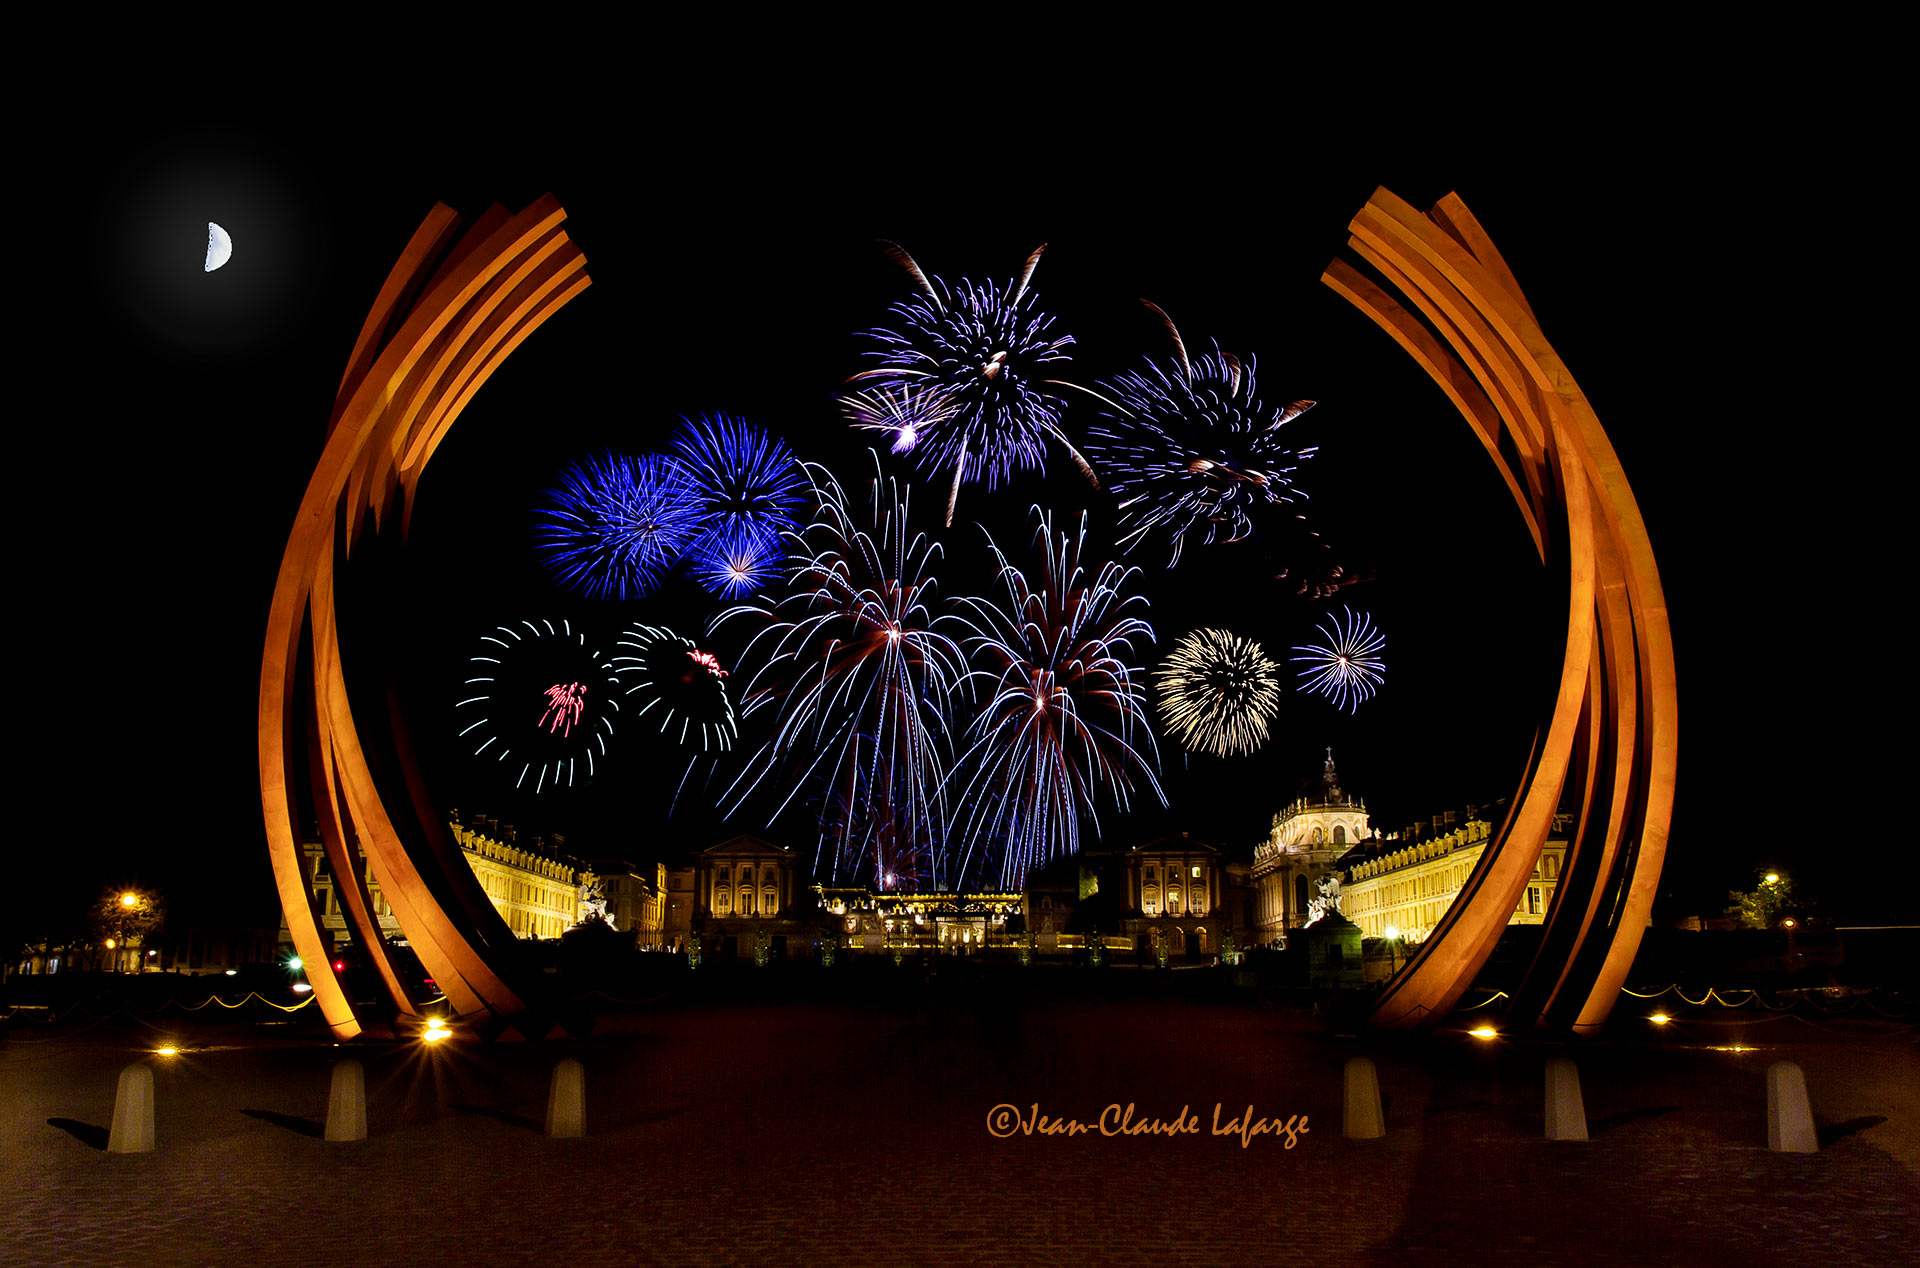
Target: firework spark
{"points": [[669, 679], [613, 526], [858, 674], [750, 490], [1192, 451], [962, 380], [1219, 692], [539, 703], [1063, 713], [1348, 668]]}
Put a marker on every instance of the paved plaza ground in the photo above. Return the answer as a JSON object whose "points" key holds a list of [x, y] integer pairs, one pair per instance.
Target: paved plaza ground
{"points": [[731, 1129]]}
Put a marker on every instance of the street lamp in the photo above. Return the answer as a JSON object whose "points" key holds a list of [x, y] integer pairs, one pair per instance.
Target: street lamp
{"points": [[1392, 933]]}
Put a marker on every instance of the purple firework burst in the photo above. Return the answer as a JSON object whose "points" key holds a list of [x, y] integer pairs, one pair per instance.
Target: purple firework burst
{"points": [[1063, 718], [1191, 452], [963, 380], [857, 672], [612, 527]]}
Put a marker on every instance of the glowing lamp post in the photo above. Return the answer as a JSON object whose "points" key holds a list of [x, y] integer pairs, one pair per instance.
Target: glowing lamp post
{"points": [[1392, 935]]}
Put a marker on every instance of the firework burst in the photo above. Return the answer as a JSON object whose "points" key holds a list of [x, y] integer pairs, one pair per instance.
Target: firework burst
{"points": [[1063, 703], [1191, 451], [1219, 692], [963, 380], [750, 490], [858, 674], [670, 680], [1347, 669], [734, 565], [539, 704], [613, 526]]}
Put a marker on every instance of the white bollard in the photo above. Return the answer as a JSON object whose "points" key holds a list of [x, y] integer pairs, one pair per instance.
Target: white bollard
{"points": [[347, 1103], [1789, 1112], [1566, 1111], [1361, 1117], [132, 1131], [567, 1100]]}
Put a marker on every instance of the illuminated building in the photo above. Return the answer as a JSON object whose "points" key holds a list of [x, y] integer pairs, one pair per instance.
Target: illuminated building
{"points": [[1409, 878], [738, 897], [537, 890], [1174, 890], [1306, 843]]}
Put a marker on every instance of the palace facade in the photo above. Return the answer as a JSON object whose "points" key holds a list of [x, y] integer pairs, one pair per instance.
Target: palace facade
{"points": [[1405, 882]]}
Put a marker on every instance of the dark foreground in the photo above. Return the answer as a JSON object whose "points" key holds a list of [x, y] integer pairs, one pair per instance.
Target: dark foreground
{"points": [[848, 1133]]}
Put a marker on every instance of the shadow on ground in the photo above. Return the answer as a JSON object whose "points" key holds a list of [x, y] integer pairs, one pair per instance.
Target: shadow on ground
{"points": [[85, 1133]]}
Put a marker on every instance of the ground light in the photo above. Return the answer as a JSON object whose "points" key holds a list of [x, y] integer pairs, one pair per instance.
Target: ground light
{"points": [[1659, 1019], [1484, 1032], [165, 1052], [436, 1031]]}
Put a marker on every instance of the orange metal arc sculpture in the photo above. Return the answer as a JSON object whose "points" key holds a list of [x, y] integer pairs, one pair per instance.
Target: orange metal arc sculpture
{"points": [[1608, 747], [450, 312]]}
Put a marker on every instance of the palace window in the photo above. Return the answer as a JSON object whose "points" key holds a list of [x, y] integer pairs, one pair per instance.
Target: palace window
{"points": [[1339, 834], [1533, 900], [1173, 902], [1151, 875], [746, 902], [721, 903], [768, 903]]}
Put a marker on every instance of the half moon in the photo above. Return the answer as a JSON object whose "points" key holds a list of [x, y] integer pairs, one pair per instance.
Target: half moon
{"points": [[219, 246]]}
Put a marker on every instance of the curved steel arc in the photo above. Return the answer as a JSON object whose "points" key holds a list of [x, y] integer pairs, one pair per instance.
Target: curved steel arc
{"points": [[446, 317], [1608, 745]]}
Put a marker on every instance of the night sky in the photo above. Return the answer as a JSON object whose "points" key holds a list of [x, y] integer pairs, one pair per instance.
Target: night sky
{"points": [[732, 274]]}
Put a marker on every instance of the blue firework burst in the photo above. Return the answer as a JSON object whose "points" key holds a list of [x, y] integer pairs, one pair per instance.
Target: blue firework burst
{"points": [[613, 526], [964, 381], [1346, 668], [751, 490], [734, 565], [1190, 451]]}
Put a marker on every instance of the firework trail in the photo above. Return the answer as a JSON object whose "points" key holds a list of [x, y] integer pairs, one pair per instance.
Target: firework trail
{"points": [[1190, 451], [962, 383], [858, 676], [1063, 703]]}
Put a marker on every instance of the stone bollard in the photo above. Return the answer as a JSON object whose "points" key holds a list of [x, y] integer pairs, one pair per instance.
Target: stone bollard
{"points": [[1361, 1118], [567, 1101], [132, 1131], [347, 1103], [1789, 1112], [1566, 1111]]}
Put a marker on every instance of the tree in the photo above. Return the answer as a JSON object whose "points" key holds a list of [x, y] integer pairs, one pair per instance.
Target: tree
{"points": [[1762, 906], [124, 921]]}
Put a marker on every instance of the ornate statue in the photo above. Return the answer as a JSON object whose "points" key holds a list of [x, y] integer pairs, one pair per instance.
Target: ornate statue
{"points": [[1329, 899]]}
